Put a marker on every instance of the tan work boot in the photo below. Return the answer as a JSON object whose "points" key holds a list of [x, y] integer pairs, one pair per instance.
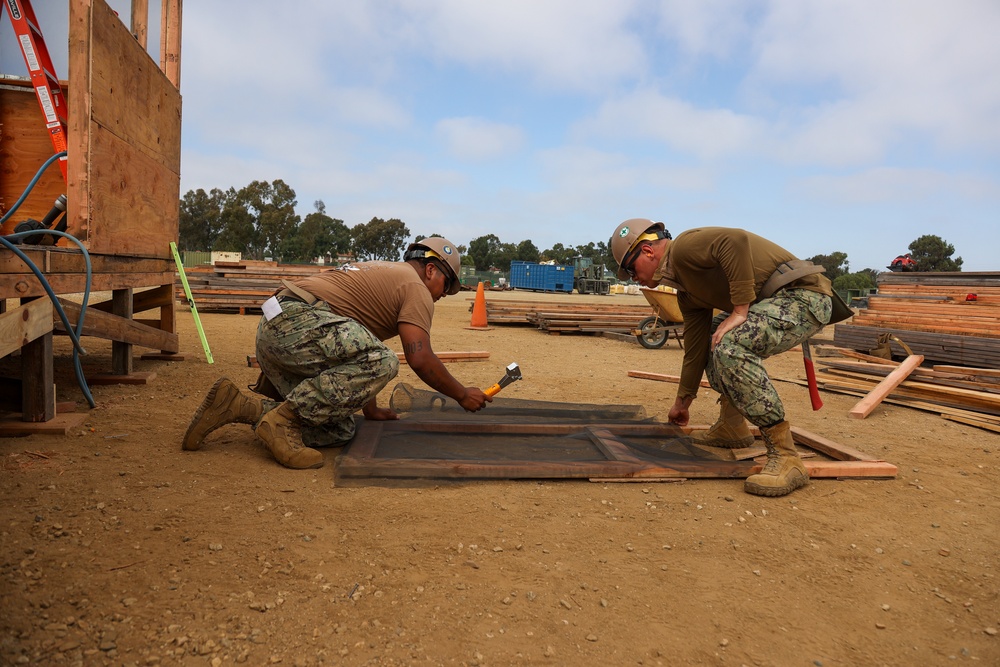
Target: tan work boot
{"points": [[225, 404], [784, 471], [730, 431], [280, 431]]}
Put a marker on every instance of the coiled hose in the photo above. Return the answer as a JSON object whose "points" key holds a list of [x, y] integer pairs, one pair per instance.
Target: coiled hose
{"points": [[73, 334]]}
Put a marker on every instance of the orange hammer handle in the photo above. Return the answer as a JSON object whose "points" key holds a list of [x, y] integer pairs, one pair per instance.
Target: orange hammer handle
{"points": [[492, 391]]}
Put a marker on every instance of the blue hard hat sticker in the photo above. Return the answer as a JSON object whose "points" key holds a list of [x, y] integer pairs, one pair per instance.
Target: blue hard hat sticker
{"points": [[446, 249]]}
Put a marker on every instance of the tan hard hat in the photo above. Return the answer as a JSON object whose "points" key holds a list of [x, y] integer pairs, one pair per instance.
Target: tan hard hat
{"points": [[441, 249], [628, 235]]}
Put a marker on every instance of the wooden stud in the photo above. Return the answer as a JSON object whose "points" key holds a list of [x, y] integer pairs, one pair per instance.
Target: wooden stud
{"points": [[121, 351]]}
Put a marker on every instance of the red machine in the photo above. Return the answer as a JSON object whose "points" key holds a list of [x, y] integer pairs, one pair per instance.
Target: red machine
{"points": [[902, 263]]}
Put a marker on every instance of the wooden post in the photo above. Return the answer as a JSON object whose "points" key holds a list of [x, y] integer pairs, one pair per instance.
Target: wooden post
{"points": [[170, 41], [121, 353], [140, 20], [38, 392]]}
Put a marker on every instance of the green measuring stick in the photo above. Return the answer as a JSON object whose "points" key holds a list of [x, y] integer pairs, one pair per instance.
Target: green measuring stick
{"points": [[194, 308]]}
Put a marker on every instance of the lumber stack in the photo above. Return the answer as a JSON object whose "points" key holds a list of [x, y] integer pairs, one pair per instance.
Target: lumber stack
{"points": [[951, 317], [586, 321], [239, 286], [567, 317], [960, 393]]}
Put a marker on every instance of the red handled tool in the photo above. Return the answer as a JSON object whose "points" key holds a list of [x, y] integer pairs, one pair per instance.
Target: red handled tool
{"points": [[807, 359]]}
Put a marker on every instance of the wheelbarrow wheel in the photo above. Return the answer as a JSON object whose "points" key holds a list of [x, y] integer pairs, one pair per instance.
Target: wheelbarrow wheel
{"points": [[652, 334]]}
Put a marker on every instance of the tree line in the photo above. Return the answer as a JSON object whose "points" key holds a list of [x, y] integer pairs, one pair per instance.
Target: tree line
{"points": [[259, 221]]}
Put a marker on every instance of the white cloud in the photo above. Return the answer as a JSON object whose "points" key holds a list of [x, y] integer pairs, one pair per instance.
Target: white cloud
{"points": [[883, 70], [564, 44], [647, 114], [888, 184], [478, 139], [705, 27]]}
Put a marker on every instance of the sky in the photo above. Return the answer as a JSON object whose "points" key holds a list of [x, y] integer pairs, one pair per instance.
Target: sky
{"points": [[852, 126]]}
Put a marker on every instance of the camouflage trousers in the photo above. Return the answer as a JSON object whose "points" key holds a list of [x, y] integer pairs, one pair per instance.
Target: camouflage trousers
{"points": [[326, 365], [773, 326]]}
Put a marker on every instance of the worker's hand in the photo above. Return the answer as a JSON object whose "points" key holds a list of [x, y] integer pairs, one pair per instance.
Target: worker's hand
{"points": [[377, 414], [475, 399], [735, 319], [679, 413]]}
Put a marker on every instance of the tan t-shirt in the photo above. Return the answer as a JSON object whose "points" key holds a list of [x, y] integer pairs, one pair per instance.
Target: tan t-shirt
{"points": [[378, 295]]}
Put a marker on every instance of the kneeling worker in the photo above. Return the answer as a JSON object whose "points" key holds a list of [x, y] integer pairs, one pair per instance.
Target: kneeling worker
{"points": [[322, 357], [770, 302]]}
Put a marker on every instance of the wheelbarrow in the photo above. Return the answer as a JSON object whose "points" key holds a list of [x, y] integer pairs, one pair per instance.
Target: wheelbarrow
{"points": [[654, 331]]}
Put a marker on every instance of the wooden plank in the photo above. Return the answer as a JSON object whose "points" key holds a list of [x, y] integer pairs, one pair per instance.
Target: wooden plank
{"points": [[112, 378], [60, 424], [612, 448], [27, 285], [978, 423], [853, 469], [924, 375], [660, 377], [20, 326], [475, 355], [142, 301], [70, 260], [78, 120], [829, 447], [477, 428], [925, 390], [446, 357], [970, 370], [104, 325], [944, 348]]}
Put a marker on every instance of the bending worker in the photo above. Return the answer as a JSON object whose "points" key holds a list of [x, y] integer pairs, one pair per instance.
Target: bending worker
{"points": [[771, 302], [322, 357]]}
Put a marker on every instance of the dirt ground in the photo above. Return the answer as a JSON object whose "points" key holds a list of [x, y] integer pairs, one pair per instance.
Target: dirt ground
{"points": [[118, 548]]}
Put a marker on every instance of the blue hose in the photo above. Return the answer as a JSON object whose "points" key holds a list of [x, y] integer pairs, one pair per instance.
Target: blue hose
{"points": [[74, 335]]}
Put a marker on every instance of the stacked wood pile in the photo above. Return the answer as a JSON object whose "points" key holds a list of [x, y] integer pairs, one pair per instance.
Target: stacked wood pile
{"points": [[959, 393], [558, 317], [946, 317], [238, 286]]}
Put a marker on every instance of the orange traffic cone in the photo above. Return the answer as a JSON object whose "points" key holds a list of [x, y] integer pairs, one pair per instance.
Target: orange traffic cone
{"points": [[479, 310]]}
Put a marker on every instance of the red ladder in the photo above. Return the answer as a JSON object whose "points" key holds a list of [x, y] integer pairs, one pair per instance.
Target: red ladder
{"points": [[43, 74]]}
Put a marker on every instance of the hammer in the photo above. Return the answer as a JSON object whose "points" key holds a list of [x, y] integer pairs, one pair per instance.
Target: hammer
{"points": [[513, 373]]}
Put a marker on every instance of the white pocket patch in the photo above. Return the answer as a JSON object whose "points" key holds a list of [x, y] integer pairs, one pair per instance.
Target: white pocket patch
{"points": [[271, 308]]}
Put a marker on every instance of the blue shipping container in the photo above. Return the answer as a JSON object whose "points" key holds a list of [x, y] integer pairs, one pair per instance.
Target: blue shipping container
{"points": [[541, 277]]}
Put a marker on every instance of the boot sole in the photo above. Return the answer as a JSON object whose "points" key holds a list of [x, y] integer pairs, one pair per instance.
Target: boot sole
{"points": [[205, 405], [318, 464], [775, 491]]}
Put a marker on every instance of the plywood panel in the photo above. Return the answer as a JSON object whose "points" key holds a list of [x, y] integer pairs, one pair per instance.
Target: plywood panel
{"points": [[133, 200], [24, 147], [130, 96], [124, 161]]}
